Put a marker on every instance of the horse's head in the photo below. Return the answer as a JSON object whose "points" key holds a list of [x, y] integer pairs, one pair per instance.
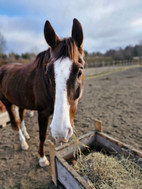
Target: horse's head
{"points": [[65, 75]]}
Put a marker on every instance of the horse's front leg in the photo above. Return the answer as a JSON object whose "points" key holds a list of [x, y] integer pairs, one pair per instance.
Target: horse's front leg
{"points": [[43, 122]]}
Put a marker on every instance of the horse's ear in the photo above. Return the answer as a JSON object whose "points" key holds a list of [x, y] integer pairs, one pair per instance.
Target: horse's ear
{"points": [[51, 38], [77, 32]]}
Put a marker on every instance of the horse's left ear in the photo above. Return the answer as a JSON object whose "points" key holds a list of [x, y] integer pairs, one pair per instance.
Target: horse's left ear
{"points": [[51, 38], [77, 32]]}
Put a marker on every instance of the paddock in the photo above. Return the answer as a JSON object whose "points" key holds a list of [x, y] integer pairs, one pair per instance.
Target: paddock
{"points": [[115, 98]]}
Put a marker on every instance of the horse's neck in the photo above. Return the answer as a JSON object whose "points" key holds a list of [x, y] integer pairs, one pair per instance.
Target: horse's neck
{"points": [[39, 65]]}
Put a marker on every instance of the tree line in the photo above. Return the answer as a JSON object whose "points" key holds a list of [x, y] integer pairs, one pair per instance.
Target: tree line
{"points": [[12, 56], [127, 53]]}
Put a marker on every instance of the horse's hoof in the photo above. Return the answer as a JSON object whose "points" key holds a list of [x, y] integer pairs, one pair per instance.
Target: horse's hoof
{"points": [[27, 136], [43, 162], [24, 146]]}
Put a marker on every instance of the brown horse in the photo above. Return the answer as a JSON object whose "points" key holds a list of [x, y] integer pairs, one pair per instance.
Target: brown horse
{"points": [[52, 84]]}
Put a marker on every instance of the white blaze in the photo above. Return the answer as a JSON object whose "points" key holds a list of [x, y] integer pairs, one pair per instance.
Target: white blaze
{"points": [[61, 118]]}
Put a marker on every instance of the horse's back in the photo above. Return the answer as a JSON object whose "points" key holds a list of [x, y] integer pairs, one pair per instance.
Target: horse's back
{"points": [[16, 83], [8, 72], [10, 67]]}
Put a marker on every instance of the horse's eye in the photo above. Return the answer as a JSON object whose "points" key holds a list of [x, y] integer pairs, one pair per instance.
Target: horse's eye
{"points": [[79, 73], [77, 93], [79, 60]]}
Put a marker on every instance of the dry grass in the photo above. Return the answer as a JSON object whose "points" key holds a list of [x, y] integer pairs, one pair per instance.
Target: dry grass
{"points": [[107, 172], [77, 144]]}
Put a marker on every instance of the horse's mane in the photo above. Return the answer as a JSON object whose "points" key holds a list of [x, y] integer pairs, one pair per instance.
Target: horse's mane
{"points": [[42, 58], [66, 48]]}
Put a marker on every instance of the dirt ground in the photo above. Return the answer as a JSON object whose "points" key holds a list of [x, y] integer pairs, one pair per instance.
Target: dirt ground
{"points": [[116, 99]]}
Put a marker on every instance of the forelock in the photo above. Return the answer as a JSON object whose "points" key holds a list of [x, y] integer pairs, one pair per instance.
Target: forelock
{"points": [[67, 48]]}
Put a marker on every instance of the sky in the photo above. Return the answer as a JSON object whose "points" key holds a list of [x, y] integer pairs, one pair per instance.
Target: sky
{"points": [[107, 24]]}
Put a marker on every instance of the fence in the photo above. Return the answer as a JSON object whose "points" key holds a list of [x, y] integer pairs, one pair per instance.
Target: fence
{"points": [[111, 63]]}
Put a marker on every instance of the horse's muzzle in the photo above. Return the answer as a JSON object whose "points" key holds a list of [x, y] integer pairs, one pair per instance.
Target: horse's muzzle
{"points": [[60, 138]]}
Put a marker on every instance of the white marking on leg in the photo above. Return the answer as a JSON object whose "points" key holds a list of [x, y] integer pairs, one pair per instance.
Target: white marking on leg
{"points": [[43, 161], [24, 130], [61, 116], [24, 144]]}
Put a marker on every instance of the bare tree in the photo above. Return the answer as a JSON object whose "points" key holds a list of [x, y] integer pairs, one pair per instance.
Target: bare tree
{"points": [[2, 44]]}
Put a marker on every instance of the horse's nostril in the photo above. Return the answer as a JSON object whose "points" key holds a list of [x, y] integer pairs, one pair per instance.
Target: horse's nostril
{"points": [[68, 134]]}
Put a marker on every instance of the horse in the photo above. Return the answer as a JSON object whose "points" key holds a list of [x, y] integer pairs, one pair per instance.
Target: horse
{"points": [[52, 85]]}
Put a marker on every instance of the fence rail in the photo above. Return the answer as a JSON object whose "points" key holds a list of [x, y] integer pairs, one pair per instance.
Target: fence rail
{"points": [[111, 63]]}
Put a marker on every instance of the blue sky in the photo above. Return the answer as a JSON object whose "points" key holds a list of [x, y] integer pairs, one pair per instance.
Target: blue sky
{"points": [[106, 23]]}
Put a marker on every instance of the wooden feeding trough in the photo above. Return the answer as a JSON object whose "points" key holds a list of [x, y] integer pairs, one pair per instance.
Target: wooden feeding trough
{"points": [[4, 118], [63, 173]]}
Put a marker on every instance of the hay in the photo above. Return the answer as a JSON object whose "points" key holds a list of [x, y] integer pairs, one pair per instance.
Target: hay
{"points": [[77, 144], [107, 172]]}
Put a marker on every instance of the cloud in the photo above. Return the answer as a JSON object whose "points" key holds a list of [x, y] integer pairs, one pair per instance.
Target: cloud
{"points": [[106, 23], [21, 35]]}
